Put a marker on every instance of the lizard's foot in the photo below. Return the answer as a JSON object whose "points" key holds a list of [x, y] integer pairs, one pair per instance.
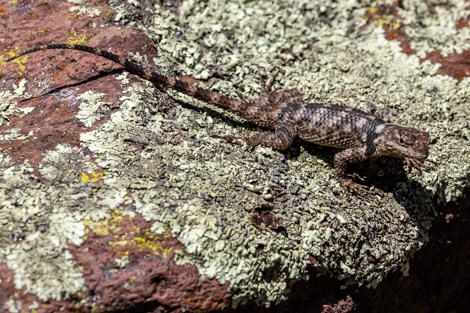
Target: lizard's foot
{"points": [[252, 142], [279, 140], [227, 138], [351, 186], [418, 164]]}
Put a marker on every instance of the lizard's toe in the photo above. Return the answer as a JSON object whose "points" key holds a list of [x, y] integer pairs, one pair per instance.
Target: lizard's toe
{"points": [[419, 165], [252, 142], [357, 189]]}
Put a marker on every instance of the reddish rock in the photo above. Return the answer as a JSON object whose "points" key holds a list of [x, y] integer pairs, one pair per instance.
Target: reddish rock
{"points": [[387, 17], [343, 306], [53, 120], [125, 265], [456, 65], [146, 276]]}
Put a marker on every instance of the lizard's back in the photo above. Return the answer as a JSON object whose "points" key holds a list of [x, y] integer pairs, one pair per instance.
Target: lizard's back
{"points": [[333, 125]]}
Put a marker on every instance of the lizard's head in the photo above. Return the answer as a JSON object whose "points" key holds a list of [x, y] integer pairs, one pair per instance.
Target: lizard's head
{"points": [[406, 142]]}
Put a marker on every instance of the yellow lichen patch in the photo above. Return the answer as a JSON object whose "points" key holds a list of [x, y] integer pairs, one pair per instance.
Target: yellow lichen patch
{"points": [[76, 39], [152, 242], [383, 20], [99, 228], [19, 61], [13, 1], [149, 241], [136, 237], [92, 177], [395, 25], [387, 21], [167, 233], [106, 227]]}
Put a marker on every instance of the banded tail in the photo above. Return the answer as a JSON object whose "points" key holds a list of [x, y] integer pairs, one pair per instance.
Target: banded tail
{"points": [[236, 106]]}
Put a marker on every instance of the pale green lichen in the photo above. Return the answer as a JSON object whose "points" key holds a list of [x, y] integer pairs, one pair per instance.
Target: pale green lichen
{"points": [[246, 41], [169, 166], [39, 220], [83, 7], [432, 26], [14, 134], [8, 104], [39, 259], [92, 109], [13, 306]]}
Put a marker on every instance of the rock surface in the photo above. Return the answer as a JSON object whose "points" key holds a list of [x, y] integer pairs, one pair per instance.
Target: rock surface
{"points": [[115, 196]]}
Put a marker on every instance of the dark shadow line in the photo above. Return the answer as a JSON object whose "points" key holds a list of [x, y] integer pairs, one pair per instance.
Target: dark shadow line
{"points": [[90, 79]]}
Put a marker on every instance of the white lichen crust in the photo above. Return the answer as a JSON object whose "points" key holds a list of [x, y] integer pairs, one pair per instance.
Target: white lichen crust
{"points": [[170, 166], [36, 224]]}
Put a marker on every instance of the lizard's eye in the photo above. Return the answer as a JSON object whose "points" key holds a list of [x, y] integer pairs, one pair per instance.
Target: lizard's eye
{"points": [[403, 142]]}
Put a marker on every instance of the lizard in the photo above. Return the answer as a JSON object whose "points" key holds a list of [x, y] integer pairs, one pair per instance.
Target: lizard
{"points": [[360, 135]]}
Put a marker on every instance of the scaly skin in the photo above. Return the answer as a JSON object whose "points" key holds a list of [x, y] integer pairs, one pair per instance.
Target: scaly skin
{"points": [[361, 135]]}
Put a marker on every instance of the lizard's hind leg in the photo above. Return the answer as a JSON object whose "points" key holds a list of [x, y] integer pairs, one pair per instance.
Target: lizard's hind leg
{"points": [[341, 161], [280, 139]]}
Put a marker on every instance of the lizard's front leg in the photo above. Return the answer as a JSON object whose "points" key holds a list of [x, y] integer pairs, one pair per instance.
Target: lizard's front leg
{"points": [[341, 161], [281, 139]]}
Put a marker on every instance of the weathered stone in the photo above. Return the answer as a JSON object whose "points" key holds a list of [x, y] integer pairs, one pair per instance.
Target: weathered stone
{"points": [[115, 196]]}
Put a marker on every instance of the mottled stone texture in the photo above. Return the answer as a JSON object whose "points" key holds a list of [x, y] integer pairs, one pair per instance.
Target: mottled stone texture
{"points": [[116, 197], [438, 279], [146, 279], [146, 275]]}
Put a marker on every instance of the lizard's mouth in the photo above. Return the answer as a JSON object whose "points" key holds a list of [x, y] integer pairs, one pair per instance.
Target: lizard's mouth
{"points": [[421, 152], [419, 155], [422, 156]]}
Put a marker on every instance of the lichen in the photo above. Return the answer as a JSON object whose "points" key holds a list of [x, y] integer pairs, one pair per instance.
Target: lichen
{"points": [[248, 41], [75, 39], [41, 219], [431, 26], [172, 166], [92, 109], [8, 106], [135, 237], [21, 61], [35, 234], [83, 7]]}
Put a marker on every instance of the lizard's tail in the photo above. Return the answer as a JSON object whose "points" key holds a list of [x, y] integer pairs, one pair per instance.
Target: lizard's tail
{"points": [[231, 104]]}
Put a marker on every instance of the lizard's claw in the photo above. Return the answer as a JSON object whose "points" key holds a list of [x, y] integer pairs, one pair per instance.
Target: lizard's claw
{"points": [[357, 189], [412, 163], [252, 142], [418, 164], [242, 97]]}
